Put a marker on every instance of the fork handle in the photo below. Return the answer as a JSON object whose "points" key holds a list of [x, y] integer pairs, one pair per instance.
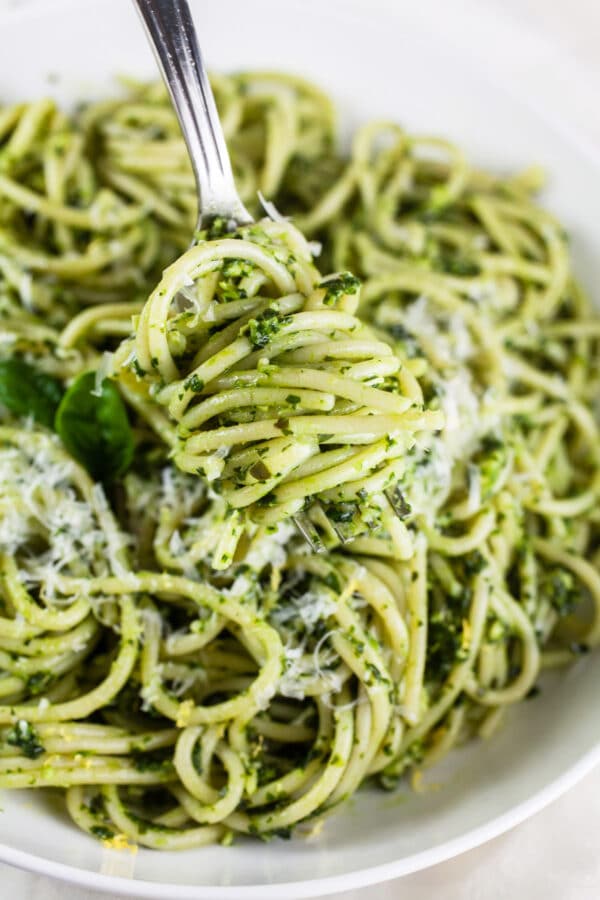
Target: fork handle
{"points": [[170, 30]]}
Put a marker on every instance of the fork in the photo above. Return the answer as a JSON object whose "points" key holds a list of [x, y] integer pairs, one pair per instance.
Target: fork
{"points": [[170, 30]]}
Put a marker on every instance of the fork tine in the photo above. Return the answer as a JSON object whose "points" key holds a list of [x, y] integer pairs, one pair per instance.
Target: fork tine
{"points": [[330, 526], [339, 533], [324, 525], [343, 538], [309, 532], [397, 502]]}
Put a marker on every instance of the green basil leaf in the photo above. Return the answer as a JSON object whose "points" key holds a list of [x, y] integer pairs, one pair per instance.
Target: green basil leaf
{"points": [[94, 427], [26, 391]]}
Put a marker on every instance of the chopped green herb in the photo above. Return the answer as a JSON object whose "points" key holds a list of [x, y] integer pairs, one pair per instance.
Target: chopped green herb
{"points": [[263, 329], [102, 833], [195, 384], [558, 586], [24, 736], [339, 286]]}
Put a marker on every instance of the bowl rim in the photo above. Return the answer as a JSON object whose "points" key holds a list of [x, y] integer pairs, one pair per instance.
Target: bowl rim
{"points": [[314, 887]]}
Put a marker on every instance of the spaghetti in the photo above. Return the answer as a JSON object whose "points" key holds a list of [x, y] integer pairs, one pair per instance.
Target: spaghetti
{"points": [[171, 654]]}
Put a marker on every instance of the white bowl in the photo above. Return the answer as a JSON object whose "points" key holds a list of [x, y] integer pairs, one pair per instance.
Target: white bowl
{"points": [[392, 63]]}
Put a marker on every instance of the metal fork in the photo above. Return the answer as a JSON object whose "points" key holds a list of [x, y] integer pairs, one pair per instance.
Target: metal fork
{"points": [[170, 30]]}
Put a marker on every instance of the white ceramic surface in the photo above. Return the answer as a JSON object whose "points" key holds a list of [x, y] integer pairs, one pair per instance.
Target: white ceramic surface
{"points": [[400, 64]]}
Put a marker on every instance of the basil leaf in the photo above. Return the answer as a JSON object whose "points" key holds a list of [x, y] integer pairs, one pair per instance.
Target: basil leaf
{"points": [[26, 391], [94, 427]]}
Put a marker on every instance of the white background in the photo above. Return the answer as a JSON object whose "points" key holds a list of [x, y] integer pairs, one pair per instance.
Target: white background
{"points": [[553, 48]]}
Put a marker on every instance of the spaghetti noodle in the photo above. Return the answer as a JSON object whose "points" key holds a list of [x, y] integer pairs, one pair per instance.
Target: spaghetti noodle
{"points": [[171, 654]]}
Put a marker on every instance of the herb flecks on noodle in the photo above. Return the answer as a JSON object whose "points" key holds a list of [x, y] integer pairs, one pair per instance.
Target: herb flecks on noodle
{"points": [[280, 394], [178, 704]]}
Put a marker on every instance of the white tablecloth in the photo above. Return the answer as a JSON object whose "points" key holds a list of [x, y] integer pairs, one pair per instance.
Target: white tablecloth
{"points": [[552, 46]]}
